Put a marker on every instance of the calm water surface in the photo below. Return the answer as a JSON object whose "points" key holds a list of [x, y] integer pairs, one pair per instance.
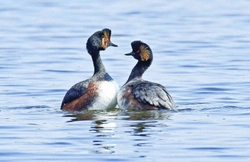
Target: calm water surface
{"points": [[201, 54]]}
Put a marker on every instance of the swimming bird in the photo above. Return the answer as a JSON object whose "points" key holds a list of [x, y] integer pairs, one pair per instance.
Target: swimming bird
{"points": [[98, 92], [139, 94]]}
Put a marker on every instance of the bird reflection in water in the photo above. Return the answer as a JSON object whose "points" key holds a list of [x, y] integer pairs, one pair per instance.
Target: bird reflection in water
{"points": [[141, 125], [102, 129], [147, 115], [103, 136], [92, 115]]}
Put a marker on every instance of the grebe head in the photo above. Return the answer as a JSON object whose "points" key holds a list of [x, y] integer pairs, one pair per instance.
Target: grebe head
{"points": [[141, 51], [100, 40]]}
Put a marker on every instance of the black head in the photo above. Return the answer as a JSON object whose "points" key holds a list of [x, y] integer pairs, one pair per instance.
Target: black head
{"points": [[100, 40], [141, 51]]}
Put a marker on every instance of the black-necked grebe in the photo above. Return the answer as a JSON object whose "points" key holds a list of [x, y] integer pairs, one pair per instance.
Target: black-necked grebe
{"points": [[139, 94], [99, 91]]}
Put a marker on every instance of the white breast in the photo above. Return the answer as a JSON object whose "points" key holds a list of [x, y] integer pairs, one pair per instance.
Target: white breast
{"points": [[107, 91]]}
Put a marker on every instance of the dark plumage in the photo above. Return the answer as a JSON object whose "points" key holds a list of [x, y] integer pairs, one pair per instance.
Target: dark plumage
{"points": [[139, 94], [99, 91]]}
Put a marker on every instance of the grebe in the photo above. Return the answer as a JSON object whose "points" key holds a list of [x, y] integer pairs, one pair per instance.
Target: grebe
{"points": [[139, 94], [100, 91]]}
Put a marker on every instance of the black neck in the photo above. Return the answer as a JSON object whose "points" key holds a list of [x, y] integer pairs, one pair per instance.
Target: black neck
{"points": [[97, 61], [139, 69]]}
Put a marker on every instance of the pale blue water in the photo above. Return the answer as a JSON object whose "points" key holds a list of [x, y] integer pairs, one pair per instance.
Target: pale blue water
{"points": [[201, 54]]}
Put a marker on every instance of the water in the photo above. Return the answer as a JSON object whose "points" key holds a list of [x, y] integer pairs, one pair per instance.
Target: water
{"points": [[200, 54]]}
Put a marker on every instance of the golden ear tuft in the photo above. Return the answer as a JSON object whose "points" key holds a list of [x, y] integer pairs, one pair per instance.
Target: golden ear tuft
{"points": [[103, 43], [105, 39], [145, 53], [106, 35]]}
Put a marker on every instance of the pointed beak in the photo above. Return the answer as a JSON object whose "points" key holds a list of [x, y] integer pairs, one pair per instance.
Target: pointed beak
{"points": [[129, 54], [112, 44]]}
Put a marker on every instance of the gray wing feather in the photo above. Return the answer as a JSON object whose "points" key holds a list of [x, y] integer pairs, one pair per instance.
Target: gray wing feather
{"points": [[153, 94]]}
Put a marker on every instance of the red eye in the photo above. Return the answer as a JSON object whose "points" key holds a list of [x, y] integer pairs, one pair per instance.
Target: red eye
{"points": [[137, 51]]}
